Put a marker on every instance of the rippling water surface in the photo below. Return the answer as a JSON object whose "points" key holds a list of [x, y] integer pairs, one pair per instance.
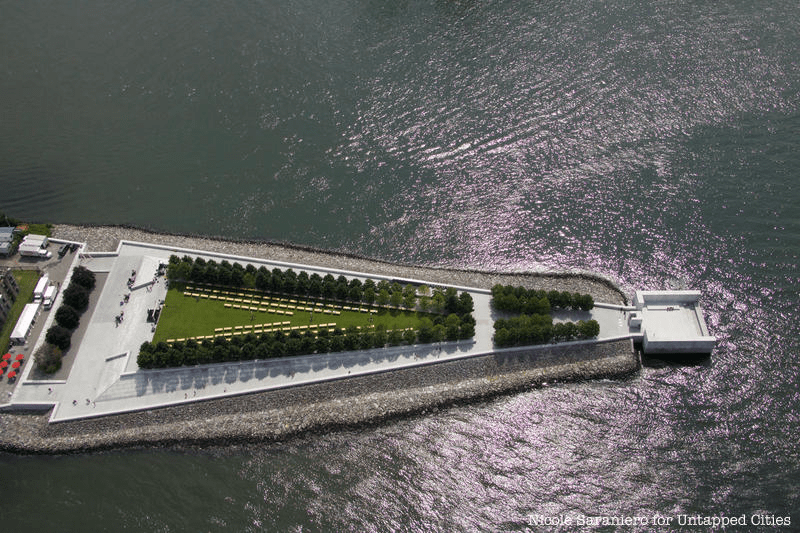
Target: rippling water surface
{"points": [[656, 143]]}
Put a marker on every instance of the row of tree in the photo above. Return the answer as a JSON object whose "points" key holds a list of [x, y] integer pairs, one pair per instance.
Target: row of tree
{"points": [[75, 301], [303, 284], [531, 301], [539, 329], [281, 344]]}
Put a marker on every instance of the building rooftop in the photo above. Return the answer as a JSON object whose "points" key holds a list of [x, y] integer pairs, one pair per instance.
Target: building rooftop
{"points": [[672, 322]]}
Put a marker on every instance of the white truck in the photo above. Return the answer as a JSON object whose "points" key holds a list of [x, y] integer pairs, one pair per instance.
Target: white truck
{"points": [[32, 250], [35, 246], [50, 296], [41, 287]]}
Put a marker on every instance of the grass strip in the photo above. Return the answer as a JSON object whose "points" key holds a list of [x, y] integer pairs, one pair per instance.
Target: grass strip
{"points": [[26, 280], [184, 317]]}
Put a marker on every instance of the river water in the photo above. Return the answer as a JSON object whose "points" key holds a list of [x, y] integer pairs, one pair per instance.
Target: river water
{"points": [[655, 143]]}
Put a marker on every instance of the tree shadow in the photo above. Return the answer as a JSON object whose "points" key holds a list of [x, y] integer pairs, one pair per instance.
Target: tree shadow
{"points": [[246, 372], [142, 380], [216, 375], [261, 370], [231, 374]]}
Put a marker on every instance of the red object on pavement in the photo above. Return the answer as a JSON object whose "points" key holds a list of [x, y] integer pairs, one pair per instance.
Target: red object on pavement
{"points": [[3, 364], [7, 356], [19, 357], [12, 374], [15, 365]]}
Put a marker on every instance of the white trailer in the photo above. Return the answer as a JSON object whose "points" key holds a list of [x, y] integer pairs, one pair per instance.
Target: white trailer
{"points": [[40, 240], [34, 246], [25, 323], [41, 287], [30, 249], [50, 296]]}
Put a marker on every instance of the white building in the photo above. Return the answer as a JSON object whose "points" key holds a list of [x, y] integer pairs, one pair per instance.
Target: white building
{"points": [[671, 322], [25, 323]]}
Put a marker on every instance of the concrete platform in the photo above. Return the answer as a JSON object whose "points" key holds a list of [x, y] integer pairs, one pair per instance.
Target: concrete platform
{"points": [[672, 323]]}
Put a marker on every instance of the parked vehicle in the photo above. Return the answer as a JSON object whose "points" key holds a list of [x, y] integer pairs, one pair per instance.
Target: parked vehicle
{"points": [[41, 287], [50, 296]]}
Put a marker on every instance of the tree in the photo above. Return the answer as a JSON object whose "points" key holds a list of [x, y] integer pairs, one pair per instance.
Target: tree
{"points": [[289, 281], [396, 298], [48, 358], [262, 351], [315, 287], [425, 303], [368, 284], [437, 303], [588, 328], [276, 280], [395, 337], [383, 297], [467, 330], [328, 287], [502, 337], [380, 337], [307, 344], [67, 317], [453, 326], [145, 357], [451, 302], [466, 304], [322, 345], [237, 274], [214, 274], [366, 340], [76, 297], [83, 277], [220, 353], [263, 279], [303, 283], [355, 293], [369, 294], [59, 336], [342, 289], [337, 344], [197, 272], [438, 333], [179, 271], [409, 297], [426, 330]]}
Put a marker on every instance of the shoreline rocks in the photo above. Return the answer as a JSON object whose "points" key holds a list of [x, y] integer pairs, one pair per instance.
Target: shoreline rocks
{"points": [[345, 403], [106, 239]]}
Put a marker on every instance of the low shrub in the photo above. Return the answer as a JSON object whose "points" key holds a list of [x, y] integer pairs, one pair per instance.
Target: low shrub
{"points": [[48, 358]]}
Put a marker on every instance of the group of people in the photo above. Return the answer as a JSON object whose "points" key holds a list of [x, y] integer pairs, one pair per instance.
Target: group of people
{"points": [[132, 279], [125, 298]]}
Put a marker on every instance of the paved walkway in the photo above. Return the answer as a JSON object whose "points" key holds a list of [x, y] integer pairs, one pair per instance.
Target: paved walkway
{"points": [[105, 378]]}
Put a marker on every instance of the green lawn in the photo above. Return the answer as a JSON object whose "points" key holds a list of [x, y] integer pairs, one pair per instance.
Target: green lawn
{"points": [[187, 316], [26, 279], [40, 229]]}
